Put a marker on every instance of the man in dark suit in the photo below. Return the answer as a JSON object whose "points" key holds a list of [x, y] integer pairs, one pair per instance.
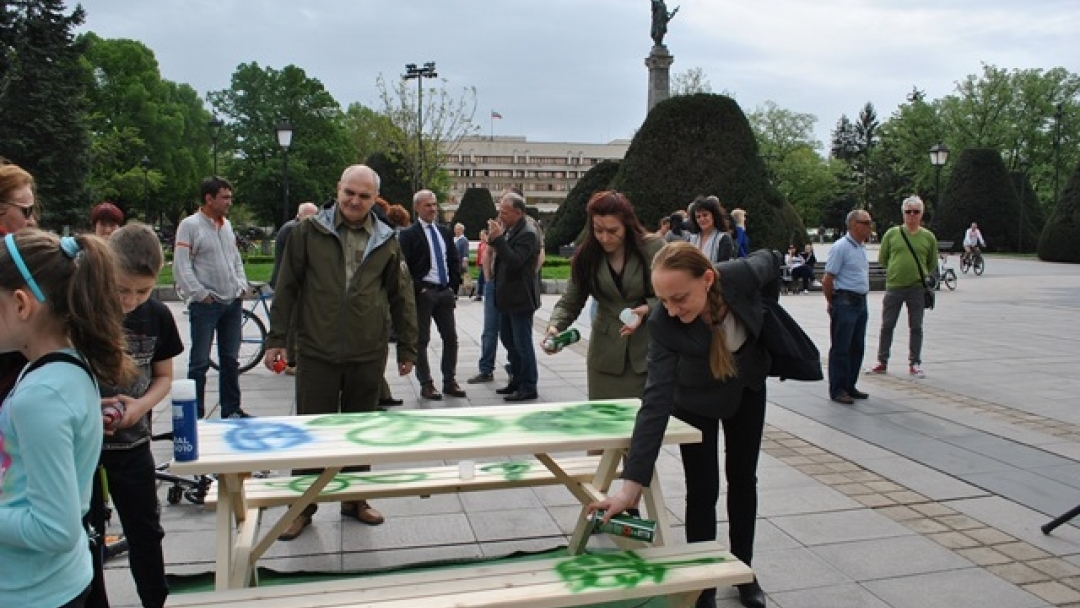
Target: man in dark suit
{"points": [[517, 292], [436, 273]]}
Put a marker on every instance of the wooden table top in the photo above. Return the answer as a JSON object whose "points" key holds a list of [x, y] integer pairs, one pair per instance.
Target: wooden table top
{"points": [[296, 442]]}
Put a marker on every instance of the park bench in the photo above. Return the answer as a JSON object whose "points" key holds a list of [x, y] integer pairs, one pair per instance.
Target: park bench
{"points": [[677, 571], [877, 276], [266, 492]]}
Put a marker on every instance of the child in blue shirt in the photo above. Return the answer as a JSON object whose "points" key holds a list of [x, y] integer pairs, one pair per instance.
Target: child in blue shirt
{"points": [[57, 300]]}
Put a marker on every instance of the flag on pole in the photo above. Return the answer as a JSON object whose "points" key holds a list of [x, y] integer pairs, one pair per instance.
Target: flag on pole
{"points": [[495, 114]]}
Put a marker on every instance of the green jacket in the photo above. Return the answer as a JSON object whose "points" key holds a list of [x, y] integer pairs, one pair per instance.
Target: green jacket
{"points": [[607, 349], [336, 322], [901, 271]]}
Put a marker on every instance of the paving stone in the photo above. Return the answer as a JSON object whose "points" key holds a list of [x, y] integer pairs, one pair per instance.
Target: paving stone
{"points": [[925, 525], [933, 509], [853, 489], [958, 522], [954, 540], [907, 497], [862, 475], [832, 479], [874, 501], [984, 556], [900, 513], [884, 486], [1053, 592], [813, 469], [989, 536], [1021, 551], [1018, 573], [1072, 581], [1055, 567]]}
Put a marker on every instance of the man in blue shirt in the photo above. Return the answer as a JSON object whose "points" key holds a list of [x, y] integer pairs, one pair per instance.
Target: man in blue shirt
{"points": [[846, 284]]}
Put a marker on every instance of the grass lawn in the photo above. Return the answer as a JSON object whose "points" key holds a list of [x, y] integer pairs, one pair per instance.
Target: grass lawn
{"points": [[261, 272]]}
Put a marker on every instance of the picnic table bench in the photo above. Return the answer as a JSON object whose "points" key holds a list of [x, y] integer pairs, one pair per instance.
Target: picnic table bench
{"points": [[677, 571]]}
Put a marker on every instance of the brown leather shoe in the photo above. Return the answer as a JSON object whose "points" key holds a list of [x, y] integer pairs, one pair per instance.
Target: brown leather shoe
{"points": [[362, 512], [298, 525], [454, 390], [428, 392]]}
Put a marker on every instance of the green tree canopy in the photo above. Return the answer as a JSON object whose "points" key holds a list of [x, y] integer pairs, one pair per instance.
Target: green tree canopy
{"points": [[476, 207], [43, 106], [1059, 237], [258, 99], [979, 190], [703, 144], [394, 184]]}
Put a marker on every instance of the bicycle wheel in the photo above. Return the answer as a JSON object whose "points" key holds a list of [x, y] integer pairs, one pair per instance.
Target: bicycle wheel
{"points": [[965, 264], [252, 342], [950, 279], [979, 265]]}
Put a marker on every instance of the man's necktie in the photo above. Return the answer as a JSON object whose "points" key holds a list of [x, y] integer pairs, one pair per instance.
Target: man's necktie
{"points": [[440, 259]]}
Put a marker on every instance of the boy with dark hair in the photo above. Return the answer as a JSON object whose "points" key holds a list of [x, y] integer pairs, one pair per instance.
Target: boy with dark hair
{"points": [[153, 340]]}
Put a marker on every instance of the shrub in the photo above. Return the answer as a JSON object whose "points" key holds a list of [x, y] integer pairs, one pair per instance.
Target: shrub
{"points": [[1062, 231], [981, 190], [700, 144], [476, 207], [569, 220], [394, 184]]}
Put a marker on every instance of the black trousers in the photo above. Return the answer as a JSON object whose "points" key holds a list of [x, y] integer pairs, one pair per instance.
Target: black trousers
{"points": [[438, 305], [701, 466], [133, 490]]}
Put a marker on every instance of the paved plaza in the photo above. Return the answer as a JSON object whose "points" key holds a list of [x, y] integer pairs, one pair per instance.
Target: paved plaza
{"points": [[929, 494]]}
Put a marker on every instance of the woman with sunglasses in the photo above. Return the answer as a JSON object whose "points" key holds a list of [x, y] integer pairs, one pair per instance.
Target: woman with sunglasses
{"points": [[16, 213]]}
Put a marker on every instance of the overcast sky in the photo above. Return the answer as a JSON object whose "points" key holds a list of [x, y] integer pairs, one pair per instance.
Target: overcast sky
{"points": [[573, 70]]}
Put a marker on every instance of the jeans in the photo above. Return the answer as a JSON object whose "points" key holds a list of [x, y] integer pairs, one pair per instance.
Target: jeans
{"points": [[847, 328], [436, 305], [206, 319], [701, 468], [489, 339], [515, 329], [133, 489], [894, 299], [480, 282]]}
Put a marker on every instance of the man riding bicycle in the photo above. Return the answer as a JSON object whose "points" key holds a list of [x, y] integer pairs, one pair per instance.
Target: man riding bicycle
{"points": [[973, 239]]}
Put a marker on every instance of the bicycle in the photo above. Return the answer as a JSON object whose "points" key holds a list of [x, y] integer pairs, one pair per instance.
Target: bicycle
{"points": [[947, 274], [972, 259], [252, 330]]}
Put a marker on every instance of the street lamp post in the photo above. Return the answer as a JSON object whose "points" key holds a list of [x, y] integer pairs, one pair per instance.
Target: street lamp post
{"points": [[284, 139], [419, 73], [1023, 187], [1057, 149], [145, 162], [215, 125], [939, 155]]}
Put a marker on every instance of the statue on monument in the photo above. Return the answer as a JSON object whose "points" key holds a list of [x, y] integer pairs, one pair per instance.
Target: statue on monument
{"points": [[660, 18]]}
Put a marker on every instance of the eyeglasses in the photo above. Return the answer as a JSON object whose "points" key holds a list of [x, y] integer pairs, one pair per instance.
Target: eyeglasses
{"points": [[27, 211], [912, 211]]}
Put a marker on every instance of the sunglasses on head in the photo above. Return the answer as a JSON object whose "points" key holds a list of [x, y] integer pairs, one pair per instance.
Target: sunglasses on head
{"points": [[912, 211], [28, 211]]}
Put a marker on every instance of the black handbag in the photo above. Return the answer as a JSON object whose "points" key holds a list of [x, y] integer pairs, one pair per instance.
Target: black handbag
{"points": [[928, 292]]}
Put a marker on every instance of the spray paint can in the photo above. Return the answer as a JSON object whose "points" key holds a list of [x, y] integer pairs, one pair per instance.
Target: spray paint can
{"points": [[625, 526], [185, 417], [111, 415], [560, 341]]}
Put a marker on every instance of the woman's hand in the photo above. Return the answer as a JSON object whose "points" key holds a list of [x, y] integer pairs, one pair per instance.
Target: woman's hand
{"points": [[640, 312], [627, 496], [551, 332]]}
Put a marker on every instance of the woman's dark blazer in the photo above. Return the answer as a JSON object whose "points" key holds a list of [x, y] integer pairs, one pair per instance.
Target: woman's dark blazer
{"points": [[679, 377]]}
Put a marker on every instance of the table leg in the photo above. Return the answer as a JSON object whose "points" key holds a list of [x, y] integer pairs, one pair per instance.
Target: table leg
{"points": [[301, 503], [587, 493], [230, 511]]}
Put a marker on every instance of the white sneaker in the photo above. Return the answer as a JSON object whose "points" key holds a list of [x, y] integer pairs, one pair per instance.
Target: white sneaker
{"points": [[916, 370]]}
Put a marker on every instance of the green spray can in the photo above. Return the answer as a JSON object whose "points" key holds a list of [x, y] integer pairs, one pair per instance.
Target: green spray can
{"points": [[625, 526], [560, 341]]}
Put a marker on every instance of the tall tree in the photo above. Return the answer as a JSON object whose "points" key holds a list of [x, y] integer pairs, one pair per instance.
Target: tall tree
{"points": [[446, 120], [42, 103], [252, 107], [689, 82]]}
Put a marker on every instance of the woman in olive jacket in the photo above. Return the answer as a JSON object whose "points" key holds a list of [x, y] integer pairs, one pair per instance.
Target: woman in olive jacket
{"points": [[707, 368], [613, 265]]}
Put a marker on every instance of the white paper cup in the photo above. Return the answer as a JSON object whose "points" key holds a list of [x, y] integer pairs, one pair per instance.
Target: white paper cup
{"points": [[466, 469]]}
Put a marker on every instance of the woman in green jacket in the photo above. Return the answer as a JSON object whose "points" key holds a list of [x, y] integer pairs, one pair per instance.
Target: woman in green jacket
{"points": [[613, 265]]}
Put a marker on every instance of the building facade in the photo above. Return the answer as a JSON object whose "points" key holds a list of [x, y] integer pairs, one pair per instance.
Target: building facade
{"points": [[544, 171]]}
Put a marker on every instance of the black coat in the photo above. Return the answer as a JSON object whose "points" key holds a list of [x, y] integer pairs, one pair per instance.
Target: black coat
{"points": [[517, 280], [679, 377], [414, 245]]}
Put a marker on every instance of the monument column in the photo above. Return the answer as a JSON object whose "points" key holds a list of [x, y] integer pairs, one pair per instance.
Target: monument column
{"points": [[659, 62]]}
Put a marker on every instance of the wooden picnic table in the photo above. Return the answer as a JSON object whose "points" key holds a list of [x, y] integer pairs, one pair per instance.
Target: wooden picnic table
{"points": [[232, 449]]}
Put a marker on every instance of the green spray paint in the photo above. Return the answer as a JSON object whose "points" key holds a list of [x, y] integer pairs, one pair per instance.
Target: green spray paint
{"points": [[614, 570], [585, 419]]}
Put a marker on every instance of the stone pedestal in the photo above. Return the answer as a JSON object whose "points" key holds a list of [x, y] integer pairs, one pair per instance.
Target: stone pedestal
{"points": [[659, 61]]}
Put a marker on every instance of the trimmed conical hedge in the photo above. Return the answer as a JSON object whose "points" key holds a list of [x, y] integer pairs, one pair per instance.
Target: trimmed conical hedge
{"points": [[1058, 242], [477, 206], [569, 220], [701, 144], [980, 189]]}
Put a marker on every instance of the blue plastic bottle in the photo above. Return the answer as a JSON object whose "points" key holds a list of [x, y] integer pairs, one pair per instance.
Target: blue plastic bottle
{"points": [[185, 416]]}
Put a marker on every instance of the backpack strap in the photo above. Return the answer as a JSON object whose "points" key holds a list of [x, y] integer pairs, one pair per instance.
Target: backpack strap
{"points": [[62, 357]]}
